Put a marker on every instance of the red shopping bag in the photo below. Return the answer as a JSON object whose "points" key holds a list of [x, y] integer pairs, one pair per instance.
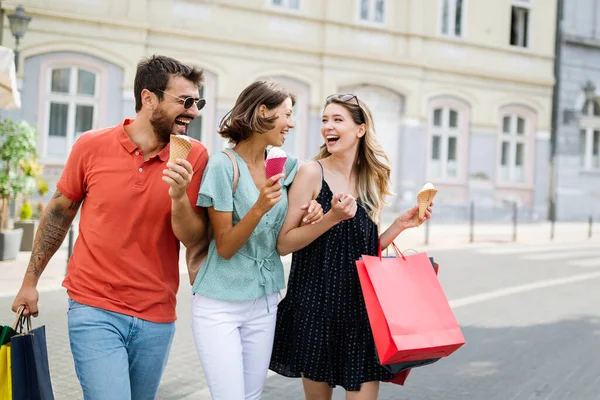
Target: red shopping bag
{"points": [[408, 311]]}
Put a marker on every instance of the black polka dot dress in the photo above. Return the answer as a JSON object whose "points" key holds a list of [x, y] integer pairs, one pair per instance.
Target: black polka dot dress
{"points": [[323, 330]]}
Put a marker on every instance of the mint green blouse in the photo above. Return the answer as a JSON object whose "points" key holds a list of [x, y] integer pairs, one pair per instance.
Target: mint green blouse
{"points": [[256, 269]]}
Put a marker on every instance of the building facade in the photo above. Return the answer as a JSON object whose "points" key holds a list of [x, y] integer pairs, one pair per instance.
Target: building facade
{"points": [[577, 188], [460, 89]]}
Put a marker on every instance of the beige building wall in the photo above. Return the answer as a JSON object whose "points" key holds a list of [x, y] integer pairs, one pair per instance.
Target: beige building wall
{"points": [[403, 66]]}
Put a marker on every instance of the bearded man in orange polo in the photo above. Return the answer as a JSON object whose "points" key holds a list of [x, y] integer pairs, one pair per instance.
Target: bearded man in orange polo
{"points": [[123, 276]]}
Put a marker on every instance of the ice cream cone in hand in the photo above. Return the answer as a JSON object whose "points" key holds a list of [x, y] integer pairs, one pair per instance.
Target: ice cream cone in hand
{"points": [[424, 199], [275, 162], [180, 147]]}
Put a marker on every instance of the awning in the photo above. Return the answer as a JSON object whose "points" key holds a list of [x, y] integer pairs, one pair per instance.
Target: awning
{"points": [[9, 95]]}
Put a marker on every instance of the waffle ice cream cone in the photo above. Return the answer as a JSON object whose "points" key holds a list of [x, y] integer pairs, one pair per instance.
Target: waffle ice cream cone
{"points": [[180, 147], [424, 199], [275, 162]]}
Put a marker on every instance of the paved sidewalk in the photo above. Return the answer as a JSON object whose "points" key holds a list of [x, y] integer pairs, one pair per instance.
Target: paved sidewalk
{"points": [[183, 378]]}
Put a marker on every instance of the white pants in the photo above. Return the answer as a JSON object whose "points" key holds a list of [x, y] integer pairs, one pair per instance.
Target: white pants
{"points": [[234, 340]]}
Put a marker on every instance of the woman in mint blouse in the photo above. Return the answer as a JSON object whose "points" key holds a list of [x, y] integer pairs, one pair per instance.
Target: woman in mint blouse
{"points": [[234, 303]]}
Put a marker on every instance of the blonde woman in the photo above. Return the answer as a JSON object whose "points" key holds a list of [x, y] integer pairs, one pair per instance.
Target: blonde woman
{"points": [[323, 333]]}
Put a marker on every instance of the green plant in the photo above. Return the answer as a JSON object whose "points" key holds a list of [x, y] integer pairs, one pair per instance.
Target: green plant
{"points": [[17, 145], [39, 209], [26, 211], [42, 189], [42, 186]]}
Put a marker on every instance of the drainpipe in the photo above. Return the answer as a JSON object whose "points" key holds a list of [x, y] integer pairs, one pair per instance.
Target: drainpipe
{"points": [[555, 111], [1, 22]]}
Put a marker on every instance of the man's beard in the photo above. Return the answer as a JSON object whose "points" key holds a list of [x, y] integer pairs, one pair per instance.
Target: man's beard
{"points": [[162, 125]]}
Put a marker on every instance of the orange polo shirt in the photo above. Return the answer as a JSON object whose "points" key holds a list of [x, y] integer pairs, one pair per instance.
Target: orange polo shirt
{"points": [[126, 257]]}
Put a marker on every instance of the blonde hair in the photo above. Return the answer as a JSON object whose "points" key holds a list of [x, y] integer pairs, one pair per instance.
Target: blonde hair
{"points": [[372, 162]]}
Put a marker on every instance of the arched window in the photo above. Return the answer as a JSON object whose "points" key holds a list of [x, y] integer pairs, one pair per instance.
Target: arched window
{"points": [[516, 145], [448, 139], [204, 126], [74, 93], [296, 142], [72, 106], [387, 107]]}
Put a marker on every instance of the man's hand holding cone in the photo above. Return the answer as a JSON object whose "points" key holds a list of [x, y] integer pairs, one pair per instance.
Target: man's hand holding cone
{"points": [[180, 147]]}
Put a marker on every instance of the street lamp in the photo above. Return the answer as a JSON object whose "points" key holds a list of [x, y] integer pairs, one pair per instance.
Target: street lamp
{"points": [[589, 90], [18, 25]]}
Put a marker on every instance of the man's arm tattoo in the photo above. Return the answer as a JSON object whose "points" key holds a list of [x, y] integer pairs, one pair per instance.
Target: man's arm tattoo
{"points": [[53, 229], [74, 204]]}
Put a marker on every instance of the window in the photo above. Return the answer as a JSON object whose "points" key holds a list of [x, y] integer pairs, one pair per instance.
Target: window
{"points": [[452, 17], [195, 128], [296, 141], [372, 10], [445, 134], [72, 107], [519, 23], [448, 140], [512, 152], [589, 135], [292, 4], [204, 126]]}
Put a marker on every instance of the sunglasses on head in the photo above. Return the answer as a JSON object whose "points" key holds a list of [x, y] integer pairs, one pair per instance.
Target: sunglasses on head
{"points": [[343, 97], [188, 102]]}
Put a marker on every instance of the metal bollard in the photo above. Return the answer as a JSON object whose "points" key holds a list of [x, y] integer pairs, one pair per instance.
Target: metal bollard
{"points": [[552, 227], [514, 238], [471, 222], [590, 227]]}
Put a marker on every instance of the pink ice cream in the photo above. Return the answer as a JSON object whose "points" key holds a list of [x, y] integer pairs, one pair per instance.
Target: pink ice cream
{"points": [[275, 162]]}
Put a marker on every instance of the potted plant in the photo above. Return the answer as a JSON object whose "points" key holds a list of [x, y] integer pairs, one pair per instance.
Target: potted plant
{"points": [[29, 220], [17, 145]]}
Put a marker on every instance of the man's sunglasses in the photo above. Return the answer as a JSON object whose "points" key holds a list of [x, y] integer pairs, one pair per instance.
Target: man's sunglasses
{"points": [[188, 102], [342, 97]]}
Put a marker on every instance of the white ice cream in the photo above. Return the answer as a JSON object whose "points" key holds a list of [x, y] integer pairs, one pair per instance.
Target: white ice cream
{"points": [[427, 186], [276, 152], [182, 137]]}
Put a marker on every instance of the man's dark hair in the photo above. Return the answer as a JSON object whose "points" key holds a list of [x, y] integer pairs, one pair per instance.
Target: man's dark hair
{"points": [[153, 73], [239, 123]]}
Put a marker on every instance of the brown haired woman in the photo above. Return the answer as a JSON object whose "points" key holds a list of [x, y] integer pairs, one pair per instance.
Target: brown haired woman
{"points": [[323, 332], [234, 303]]}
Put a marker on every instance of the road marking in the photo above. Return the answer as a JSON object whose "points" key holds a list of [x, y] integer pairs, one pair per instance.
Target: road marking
{"points": [[494, 294], [593, 262], [535, 249], [563, 255]]}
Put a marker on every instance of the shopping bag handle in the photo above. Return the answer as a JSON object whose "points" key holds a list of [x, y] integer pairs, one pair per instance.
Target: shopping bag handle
{"points": [[396, 250], [21, 321]]}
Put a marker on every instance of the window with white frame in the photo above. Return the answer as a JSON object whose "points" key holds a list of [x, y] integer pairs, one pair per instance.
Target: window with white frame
{"points": [[372, 10], [71, 107], [589, 135], [452, 17], [291, 4], [445, 133], [513, 146], [519, 23]]}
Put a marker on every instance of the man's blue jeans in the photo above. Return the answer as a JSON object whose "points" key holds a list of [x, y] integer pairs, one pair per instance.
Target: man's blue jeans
{"points": [[117, 356]]}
